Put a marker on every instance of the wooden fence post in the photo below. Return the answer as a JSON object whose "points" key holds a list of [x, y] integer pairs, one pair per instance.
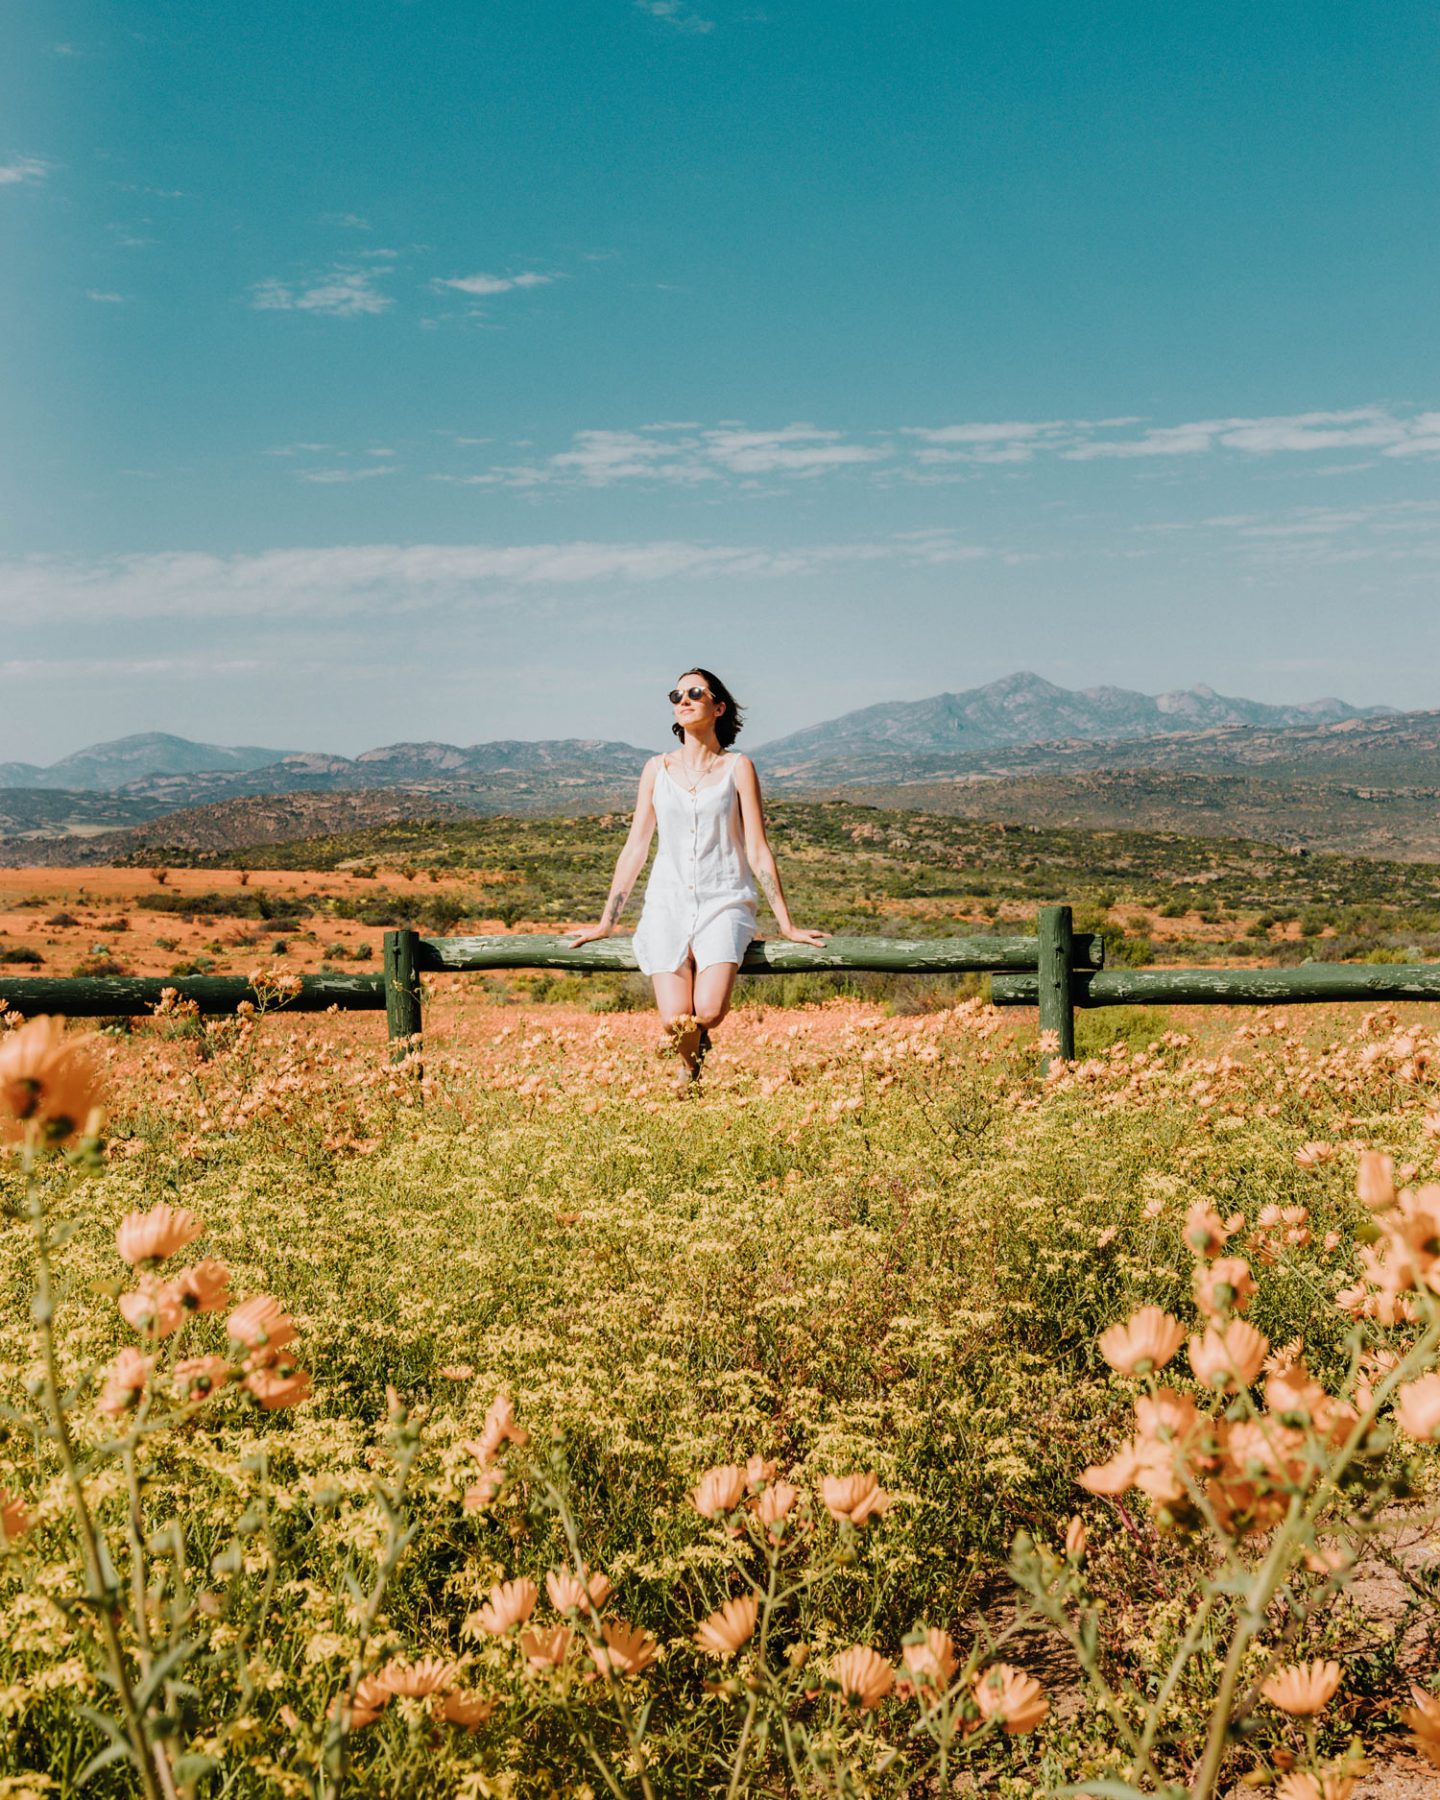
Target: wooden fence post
{"points": [[1055, 930], [402, 991]]}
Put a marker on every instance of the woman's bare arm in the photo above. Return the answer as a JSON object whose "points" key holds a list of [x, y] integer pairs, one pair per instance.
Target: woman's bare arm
{"points": [[629, 863], [762, 858]]}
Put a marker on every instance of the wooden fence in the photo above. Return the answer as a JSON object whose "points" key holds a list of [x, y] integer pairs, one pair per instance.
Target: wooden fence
{"points": [[1054, 971]]}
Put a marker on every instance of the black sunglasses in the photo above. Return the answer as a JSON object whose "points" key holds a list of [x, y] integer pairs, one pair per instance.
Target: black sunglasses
{"points": [[676, 695]]}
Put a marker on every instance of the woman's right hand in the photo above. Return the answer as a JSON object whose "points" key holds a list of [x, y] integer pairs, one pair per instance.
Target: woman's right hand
{"points": [[587, 934]]}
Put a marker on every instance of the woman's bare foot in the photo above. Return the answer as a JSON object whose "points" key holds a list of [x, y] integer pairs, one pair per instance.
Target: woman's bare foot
{"points": [[682, 1038]]}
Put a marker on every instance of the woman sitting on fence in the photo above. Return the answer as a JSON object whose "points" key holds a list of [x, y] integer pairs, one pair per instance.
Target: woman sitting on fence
{"points": [[699, 912]]}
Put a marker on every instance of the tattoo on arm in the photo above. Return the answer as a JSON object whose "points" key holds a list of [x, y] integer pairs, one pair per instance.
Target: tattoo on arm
{"points": [[770, 881], [615, 906]]}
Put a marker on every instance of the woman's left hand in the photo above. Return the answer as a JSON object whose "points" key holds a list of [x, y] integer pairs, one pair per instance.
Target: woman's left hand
{"points": [[798, 936]]}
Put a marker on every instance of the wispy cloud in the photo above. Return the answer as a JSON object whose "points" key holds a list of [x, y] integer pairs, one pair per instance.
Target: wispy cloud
{"points": [[672, 12], [340, 293], [335, 477], [24, 168], [360, 579], [105, 299], [494, 284], [1395, 531], [687, 453], [682, 454], [1368, 427]]}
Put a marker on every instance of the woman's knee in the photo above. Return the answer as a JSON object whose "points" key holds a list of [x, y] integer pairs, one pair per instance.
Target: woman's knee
{"points": [[710, 1013]]}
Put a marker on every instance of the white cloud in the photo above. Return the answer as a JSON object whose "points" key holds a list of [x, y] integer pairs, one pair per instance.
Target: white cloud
{"points": [[341, 293], [350, 580], [672, 12], [494, 284], [333, 477], [105, 299], [1369, 427], [1014, 431], [684, 453], [23, 168], [797, 450]]}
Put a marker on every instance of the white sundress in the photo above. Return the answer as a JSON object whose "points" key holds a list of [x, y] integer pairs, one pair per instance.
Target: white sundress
{"points": [[701, 895]]}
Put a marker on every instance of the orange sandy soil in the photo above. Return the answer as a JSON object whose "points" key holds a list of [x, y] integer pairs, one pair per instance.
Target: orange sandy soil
{"points": [[100, 897]]}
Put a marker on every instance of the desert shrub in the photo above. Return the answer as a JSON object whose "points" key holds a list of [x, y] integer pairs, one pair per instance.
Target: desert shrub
{"points": [[20, 954]]}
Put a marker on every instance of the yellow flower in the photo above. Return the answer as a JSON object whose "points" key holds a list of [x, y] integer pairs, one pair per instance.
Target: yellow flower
{"points": [[725, 1631], [1302, 1688], [1144, 1342]]}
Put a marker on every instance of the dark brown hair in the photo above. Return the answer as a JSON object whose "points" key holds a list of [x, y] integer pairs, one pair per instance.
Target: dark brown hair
{"points": [[731, 722]]}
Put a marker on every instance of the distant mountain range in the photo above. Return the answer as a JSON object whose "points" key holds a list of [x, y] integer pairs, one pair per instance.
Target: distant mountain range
{"points": [[1025, 709], [1325, 774], [1019, 709], [104, 767]]}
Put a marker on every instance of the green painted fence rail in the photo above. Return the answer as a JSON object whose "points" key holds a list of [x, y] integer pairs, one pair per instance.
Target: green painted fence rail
{"points": [[408, 956], [774, 956], [1234, 987], [1055, 971], [132, 996]]}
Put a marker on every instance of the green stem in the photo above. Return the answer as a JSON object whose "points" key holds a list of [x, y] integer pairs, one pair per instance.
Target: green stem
{"points": [[750, 1711], [148, 1757], [397, 1541]]}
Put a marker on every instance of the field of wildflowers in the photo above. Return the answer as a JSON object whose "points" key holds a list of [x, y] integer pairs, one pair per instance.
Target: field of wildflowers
{"points": [[882, 1420]]}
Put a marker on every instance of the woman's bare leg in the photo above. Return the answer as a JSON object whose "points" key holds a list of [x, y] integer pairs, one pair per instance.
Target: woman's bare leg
{"points": [[675, 998], [713, 988]]}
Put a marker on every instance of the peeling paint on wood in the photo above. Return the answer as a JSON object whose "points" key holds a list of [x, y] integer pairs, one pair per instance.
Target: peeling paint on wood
{"points": [[775, 956], [1234, 987], [132, 996]]}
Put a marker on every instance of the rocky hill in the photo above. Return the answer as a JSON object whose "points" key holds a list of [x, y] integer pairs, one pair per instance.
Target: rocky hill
{"points": [[1024, 709]]}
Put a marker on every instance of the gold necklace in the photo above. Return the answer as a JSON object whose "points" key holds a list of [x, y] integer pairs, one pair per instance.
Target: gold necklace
{"points": [[695, 787]]}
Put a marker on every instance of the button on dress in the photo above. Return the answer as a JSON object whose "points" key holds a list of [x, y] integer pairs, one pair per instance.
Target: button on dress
{"points": [[701, 895]]}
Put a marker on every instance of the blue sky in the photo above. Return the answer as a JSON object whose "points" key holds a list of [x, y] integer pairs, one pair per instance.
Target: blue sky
{"points": [[464, 370]]}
